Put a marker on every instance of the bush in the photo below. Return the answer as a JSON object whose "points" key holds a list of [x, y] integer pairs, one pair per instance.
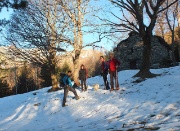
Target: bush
{"points": [[166, 62], [25, 81], [4, 89], [45, 76]]}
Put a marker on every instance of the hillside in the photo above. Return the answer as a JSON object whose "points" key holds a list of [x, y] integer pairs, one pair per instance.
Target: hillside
{"points": [[85, 58], [152, 104], [8, 60], [11, 69]]}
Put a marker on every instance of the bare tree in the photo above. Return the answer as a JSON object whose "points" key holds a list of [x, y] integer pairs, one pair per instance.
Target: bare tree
{"points": [[16, 4], [46, 25], [37, 34], [77, 12], [3, 23], [167, 22], [161, 26], [140, 9], [171, 21]]}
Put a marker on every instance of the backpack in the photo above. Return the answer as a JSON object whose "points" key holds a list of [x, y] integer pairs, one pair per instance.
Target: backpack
{"points": [[62, 75]]}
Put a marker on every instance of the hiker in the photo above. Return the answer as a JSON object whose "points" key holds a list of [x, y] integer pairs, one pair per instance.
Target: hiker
{"points": [[83, 77], [61, 83], [113, 65], [104, 72], [68, 87]]}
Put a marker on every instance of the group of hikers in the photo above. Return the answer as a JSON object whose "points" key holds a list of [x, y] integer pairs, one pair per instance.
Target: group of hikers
{"points": [[109, 66]]}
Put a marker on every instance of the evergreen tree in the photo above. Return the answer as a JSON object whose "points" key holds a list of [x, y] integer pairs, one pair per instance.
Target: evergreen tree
{"points": [[45, 76], [25, 81]]}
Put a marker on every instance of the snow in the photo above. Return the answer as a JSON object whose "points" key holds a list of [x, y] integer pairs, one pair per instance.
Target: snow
{"points": [[152, 104]]}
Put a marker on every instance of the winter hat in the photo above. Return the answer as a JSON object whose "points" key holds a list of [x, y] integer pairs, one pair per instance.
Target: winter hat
{"points": [[111, 53]]}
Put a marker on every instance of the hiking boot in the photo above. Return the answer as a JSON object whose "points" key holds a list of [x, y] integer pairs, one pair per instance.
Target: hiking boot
{"points": [[77, 97], [107, 88], [111, 89], [64, 105], [117, 88]]}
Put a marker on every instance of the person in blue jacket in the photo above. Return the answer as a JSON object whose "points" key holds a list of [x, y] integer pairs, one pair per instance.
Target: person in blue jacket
{"points": [[68, 87]]}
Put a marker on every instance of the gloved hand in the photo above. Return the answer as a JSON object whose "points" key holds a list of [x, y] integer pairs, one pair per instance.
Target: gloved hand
{"points": [[109, 71], [117, 66]]}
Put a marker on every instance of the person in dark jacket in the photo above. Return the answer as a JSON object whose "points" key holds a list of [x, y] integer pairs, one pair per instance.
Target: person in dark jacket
{"points": [[104, 72], [68, 87], [83, 77], [113, 65]]}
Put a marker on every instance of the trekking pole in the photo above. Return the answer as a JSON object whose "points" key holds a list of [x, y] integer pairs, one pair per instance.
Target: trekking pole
{"points": [[116, 78]]}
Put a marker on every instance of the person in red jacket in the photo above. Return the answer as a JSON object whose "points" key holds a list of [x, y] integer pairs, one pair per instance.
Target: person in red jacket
{"points": [[113, 65]]}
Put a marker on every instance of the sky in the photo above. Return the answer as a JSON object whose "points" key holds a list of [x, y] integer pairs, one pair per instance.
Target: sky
{"points": [[105, 44], [104, 6], [5, 13], [152, 104]]}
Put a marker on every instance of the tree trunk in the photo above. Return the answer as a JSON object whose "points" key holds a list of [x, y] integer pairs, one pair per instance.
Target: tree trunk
{"points": [[146, 61], [54, 79], [172, 46], [79, 41], [52, 49], [76, 66]]}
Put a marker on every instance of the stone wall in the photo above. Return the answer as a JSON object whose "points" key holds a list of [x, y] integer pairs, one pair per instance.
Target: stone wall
{"points": [[130, 51]]}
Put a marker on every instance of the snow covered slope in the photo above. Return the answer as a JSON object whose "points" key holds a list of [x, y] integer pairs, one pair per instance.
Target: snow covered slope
{"points": [[153, 104]]}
